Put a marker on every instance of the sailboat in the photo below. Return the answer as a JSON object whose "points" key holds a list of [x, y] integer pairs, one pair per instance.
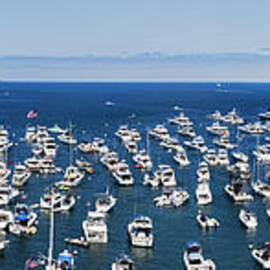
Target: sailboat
{"points": [[73, 176]]}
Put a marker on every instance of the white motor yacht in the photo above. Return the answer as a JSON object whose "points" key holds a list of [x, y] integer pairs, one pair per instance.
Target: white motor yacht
{"points": [[203, 194], [20, 176], [239, 156], [206, 222], [159, 133], [261, 254], [41, 134], [194, 260], [261, 188], [262, 154], [131, 147], [181, 158], [248, 219], [172, 198], [99, 146], [6, 217], [30, 134], [253, 128], [151, 180], [166, 176], [123, 262], [4, 172], [37, 149], [140, 232], [265, 115], [110, 160], [95, 228], [50, 147], [223, 157], [7, 194], [123, 175], [67, 138], [236, 192], [73, 177], [62, 201], [232, 118], [143, 160], [218, 130], [203, 172], [197, 144], [32, 164], [186, 131], [181, 119], [86, 147], [105, 203], [224, 142], [211, 157], [215, 115]]}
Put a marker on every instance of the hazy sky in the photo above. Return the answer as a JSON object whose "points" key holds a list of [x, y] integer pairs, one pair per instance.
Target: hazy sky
{"points": [[81, 27]]}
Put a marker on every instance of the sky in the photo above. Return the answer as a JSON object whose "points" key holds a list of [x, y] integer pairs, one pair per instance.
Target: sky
{"points": [[79, 28]]}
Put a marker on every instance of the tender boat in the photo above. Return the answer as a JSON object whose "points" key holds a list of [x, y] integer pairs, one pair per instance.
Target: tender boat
{"points": [[248, 219], [206, 222], [194, 260]]}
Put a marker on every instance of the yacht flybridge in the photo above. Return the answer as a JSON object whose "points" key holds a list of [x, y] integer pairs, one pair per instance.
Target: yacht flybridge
{"points": [[95, 228], [140, 232]]}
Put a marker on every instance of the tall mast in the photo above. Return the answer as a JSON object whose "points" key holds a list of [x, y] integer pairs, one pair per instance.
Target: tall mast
{"points": [[50, 265], [70, 145]]}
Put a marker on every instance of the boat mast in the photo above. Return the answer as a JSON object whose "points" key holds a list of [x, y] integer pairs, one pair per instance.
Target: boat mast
{"points": [[50, 265], [70, 145]]}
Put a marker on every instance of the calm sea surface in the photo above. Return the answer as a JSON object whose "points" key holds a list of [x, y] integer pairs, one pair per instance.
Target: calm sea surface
{"points": [[83, 104]]}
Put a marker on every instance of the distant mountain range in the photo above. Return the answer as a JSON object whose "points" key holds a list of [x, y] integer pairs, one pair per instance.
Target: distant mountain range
{"points": [[148, 57], [153, 66]]}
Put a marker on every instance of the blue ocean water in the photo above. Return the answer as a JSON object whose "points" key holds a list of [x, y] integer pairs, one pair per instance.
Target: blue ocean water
{"points": [[83, 104]]}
